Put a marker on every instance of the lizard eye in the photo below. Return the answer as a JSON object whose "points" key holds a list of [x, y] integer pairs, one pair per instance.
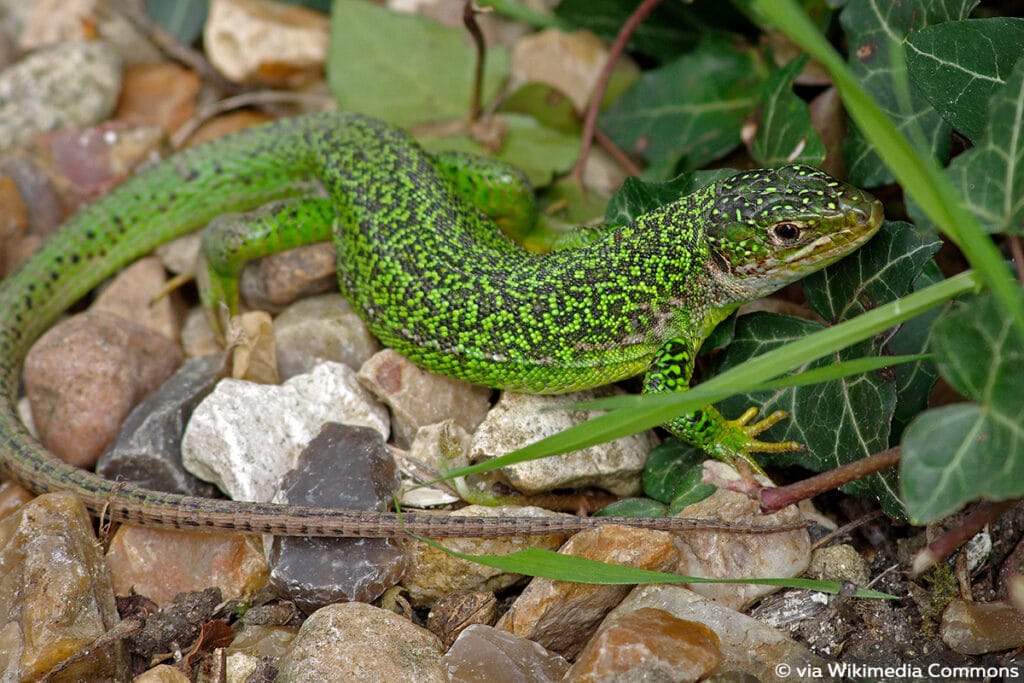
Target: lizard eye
{"points": [[785, 233]]}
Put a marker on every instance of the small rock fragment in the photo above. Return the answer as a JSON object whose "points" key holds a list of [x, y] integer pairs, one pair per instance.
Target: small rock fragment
{"points": [[839, 562], [162, 673], [263, 641], [62, 86], [347, 640], [343, 467], [974, 628], [273, 282], [177, 624], [747, 645], [456, 612], [85, 164], [57, 594], [84, 376], [197, 337], [148, 447], [482, 653], [418, 397], [562, 615], [50, 22], [134, 293], [244, 437], [729, 555], [266, 43], [648, 645], [520, 419], [321, 328], [160, 563], [158, 94], [433, 573]]}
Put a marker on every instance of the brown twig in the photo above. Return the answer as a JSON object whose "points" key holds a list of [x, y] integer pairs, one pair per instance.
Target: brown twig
{"points": [[257, 98], [773, 499], [469, 11], [847, 528], [1017, 251], [948, 542], [594, 106]]}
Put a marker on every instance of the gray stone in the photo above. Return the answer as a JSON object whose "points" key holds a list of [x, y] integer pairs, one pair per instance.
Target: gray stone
{"points": [[343, 467], [148, 447]]}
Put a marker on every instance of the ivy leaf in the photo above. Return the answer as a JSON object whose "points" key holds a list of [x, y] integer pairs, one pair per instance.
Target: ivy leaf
{"points": [[183, 19], [848, 419], [963, 452], [672, 29], [538, 151], [914, 381], [429, 79], [875, 30], [882, 271], [691, 108], [990, 177], [838, 421], [959, 82], [636, 197], [784, 131], [633, 507]]}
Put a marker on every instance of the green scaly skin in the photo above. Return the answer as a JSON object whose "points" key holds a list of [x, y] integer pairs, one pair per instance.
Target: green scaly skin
{"points": [[436, 280]]}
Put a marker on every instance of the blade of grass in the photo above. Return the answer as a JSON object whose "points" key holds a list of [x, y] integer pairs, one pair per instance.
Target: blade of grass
{"points": [[921, 178], [653, 410], [560, 567]]}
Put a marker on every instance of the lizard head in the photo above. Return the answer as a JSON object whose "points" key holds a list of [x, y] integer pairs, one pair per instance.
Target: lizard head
{"points": [[770, 227]]}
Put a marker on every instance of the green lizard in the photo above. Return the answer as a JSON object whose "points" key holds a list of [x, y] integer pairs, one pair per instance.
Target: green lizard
{"points": [[435, 279]]}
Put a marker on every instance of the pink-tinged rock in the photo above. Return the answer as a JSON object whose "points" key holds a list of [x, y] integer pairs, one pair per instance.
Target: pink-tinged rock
{"points": [[418, 398], [84, 164], [135, 294], [562, 615], [648, 645], [84, 376], [160, 563], [55, 594], [482, 653]]}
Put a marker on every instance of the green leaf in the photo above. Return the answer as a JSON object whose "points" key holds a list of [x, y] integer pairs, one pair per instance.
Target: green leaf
{"points": [[838, 421], [875, 29], [959, 65], [636, 196], [914, 381], [990, 177], [429, 79], [183, 19], [692, 107], [667, 465], [784, 131], [690, 489], [963, 452], [673, 28], [540, 152], [881, 271], [633, 507], [921, 178]]}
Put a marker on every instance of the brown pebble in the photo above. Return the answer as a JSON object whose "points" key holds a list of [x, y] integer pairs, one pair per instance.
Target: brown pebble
{"points": [[83, 377]]}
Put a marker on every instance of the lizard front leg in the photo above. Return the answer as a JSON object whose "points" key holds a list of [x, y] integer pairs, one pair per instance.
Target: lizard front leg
{"points": [[708, 429]]}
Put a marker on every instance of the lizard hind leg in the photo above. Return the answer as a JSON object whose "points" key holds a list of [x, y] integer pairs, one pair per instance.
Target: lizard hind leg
{"points": [[232, 240], [708, 429], [498, 190]]}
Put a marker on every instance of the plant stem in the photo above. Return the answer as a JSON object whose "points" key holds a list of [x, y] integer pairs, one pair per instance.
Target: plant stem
{"points": [[594, 107]]}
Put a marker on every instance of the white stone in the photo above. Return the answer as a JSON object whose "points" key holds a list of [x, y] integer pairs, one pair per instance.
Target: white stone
{"points": [[258, 41], [244, 437], [521, 419]]}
